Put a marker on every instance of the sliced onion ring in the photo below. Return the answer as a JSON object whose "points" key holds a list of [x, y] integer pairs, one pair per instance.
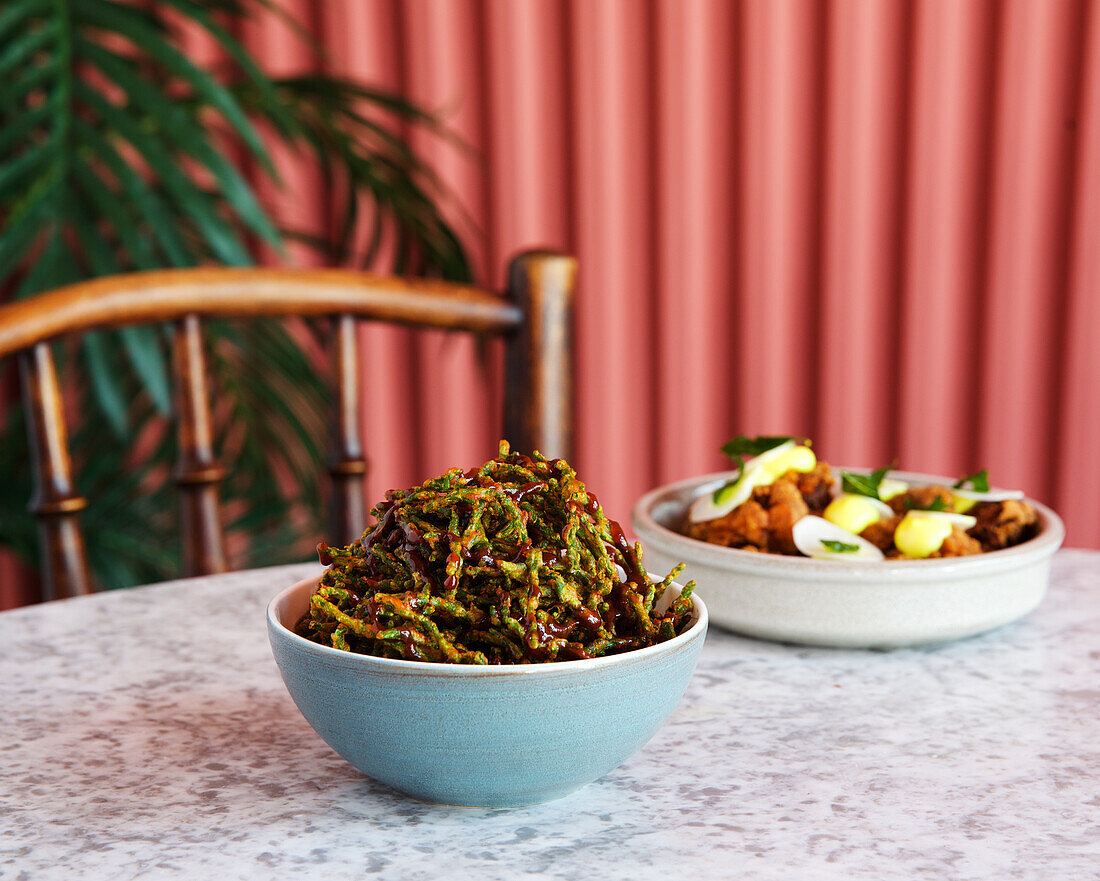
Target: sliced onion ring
{"points": [[1002, 495], [811, 530]]}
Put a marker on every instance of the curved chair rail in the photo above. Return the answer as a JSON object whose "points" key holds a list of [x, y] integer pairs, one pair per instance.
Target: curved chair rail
{"points": [[169, 295], [533, 316]]}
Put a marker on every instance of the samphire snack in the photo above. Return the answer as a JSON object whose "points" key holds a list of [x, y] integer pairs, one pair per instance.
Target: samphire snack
{"points": [[510, 563], [783, 501]]}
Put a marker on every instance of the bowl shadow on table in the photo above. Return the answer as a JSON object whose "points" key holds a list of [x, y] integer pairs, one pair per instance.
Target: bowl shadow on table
{"points": [[244, 769], [218, 752], [228, 755]]}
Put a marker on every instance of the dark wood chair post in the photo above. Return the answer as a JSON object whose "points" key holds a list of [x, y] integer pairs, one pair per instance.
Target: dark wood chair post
{"points": [[55, 503], [538, 402], [348, 465], [197, 472]]}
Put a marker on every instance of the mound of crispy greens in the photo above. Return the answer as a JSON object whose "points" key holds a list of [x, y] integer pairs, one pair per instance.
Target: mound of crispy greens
{"points": [[510, 563]]}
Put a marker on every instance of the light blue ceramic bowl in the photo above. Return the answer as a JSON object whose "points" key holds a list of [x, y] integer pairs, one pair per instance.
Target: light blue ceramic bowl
{"points": [[481, 736]]}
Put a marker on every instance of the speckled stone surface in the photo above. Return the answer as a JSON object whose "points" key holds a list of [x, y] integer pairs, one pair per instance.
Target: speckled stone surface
{"points": [[143, 736]]}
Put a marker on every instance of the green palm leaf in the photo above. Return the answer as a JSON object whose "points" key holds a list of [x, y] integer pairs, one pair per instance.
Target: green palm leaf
{"points": [[178, 126], [147, 33], [137, 167], [154, 213], [16, 14]]}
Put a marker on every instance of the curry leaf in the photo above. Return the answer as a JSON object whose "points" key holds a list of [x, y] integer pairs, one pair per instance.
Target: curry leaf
{"points": [[979, 481], [865, 484], [937, 504], [743, 445], [839, 547]]}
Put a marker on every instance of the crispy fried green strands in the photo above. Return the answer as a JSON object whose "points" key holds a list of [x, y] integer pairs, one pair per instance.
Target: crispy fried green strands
{"points": [[510, 563]]}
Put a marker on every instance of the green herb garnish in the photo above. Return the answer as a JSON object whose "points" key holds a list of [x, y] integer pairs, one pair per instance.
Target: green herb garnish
{"points": [[979, 481], [938, 504], [742, 446], [865, 484], [839, 547]]}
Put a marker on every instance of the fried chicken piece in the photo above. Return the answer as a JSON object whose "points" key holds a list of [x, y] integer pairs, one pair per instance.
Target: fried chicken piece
{"points": [[881, 534], [1003, 524], [765, 521], [921, 498], [746, 526], [785, 508], [958, 544], [762, 523], [816, 486]]}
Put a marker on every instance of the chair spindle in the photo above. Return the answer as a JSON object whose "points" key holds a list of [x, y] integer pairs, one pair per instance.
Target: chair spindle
{"points": [[538, 355], [534, 322], [55, 502], [348, 465], [197, 472]]}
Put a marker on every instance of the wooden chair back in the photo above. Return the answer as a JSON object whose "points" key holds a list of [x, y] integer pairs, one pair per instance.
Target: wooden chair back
{"points": [[533, 317]]}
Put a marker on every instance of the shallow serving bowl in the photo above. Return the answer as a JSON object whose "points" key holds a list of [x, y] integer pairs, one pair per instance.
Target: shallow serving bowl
{"points": [[845, 603], [493, 736]]}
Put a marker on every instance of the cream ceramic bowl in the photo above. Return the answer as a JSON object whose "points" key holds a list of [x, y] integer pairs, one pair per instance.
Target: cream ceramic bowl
{"points": [[842, 603]]}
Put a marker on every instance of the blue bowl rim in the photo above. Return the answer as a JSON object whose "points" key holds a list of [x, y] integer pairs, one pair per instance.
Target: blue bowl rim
{"points": [[697, 630]]}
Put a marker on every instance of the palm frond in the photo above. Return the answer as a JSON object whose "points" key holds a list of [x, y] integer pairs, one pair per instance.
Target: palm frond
{"points": [[365, 162], [120, 153]]}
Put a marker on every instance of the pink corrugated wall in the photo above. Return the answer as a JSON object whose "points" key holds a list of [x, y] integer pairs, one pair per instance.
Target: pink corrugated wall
{"points": [[876, 223]]}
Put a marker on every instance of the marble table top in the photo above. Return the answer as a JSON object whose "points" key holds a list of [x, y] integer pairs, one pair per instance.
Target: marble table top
{"points": [[146, 734]]}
